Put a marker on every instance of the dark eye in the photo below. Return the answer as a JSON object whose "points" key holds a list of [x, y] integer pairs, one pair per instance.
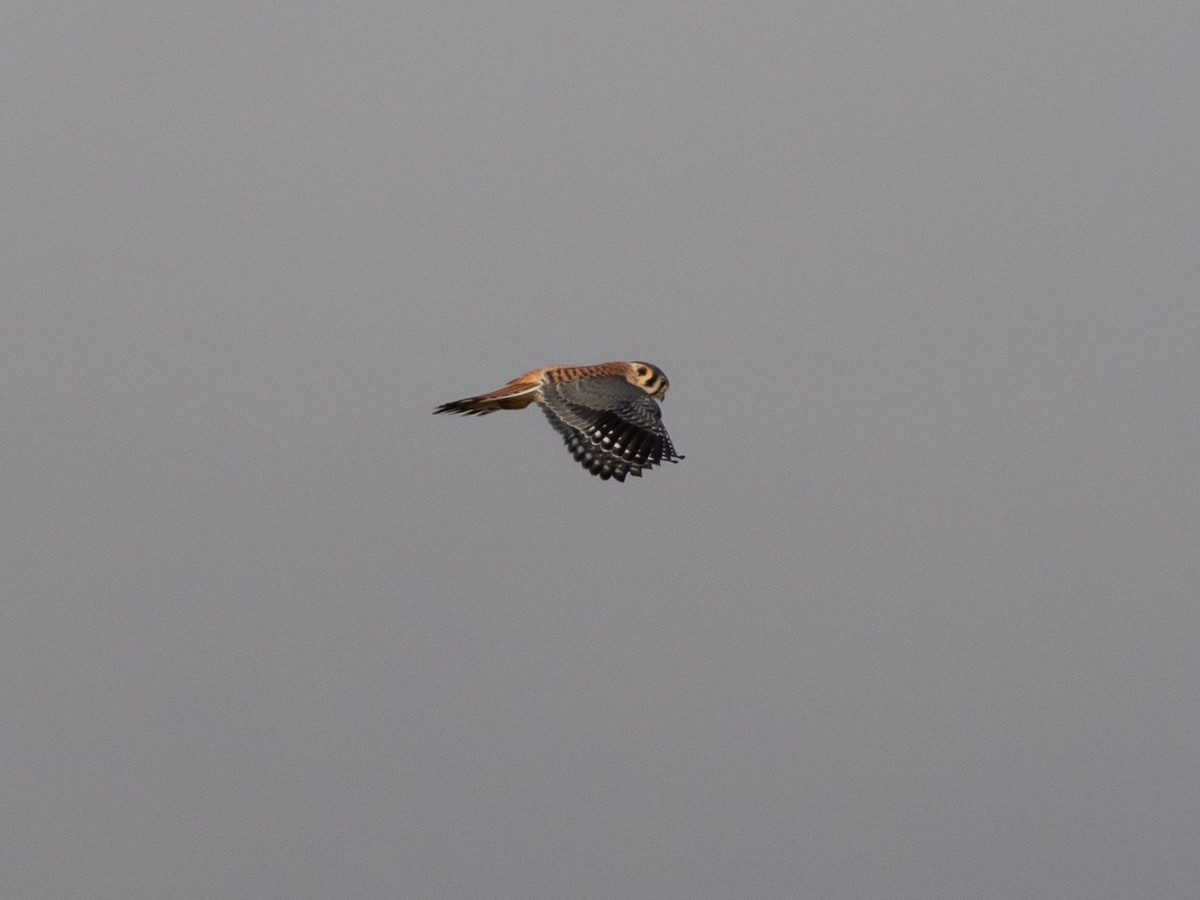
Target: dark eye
{"points": [[642, 370]]}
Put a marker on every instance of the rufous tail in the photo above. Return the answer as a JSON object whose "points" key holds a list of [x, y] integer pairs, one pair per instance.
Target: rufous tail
{"points": [[517, 394]]}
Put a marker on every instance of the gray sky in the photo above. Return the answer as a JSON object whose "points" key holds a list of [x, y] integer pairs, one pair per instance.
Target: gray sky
{"points": [[917, 617]]}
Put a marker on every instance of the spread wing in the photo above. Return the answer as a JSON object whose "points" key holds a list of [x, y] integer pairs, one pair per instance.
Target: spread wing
{"points": [[611, 427]]}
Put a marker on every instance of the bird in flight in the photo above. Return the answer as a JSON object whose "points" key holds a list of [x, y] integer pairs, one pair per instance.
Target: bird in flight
{"points": [[607, 414]]}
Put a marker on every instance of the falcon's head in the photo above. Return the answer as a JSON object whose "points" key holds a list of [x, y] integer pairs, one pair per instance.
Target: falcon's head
{"points": [[649, 378]]}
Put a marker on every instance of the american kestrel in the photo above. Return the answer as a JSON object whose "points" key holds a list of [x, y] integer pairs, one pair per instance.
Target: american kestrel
{"points": [[606, 414]]}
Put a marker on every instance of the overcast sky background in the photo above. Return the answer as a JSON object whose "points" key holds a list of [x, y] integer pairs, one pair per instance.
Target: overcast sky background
{"points": [[916, 618]]}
